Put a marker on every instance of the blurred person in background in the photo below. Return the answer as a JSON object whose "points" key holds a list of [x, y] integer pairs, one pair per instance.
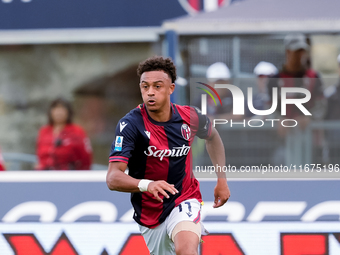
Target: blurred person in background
{"points": [[263, 70], [296, 72], [332, 93], [219, 73], [2, 163], [62, 145]]}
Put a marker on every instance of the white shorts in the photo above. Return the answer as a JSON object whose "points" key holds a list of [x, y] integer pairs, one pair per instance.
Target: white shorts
{"points": [[158, 239]]}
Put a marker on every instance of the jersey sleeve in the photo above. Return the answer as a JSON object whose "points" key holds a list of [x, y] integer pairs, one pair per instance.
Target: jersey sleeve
{"points": [[124, 142], [204, 124]]}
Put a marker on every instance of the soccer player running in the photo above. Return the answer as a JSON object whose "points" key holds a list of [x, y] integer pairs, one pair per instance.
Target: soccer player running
{"points": [[154, 141]]}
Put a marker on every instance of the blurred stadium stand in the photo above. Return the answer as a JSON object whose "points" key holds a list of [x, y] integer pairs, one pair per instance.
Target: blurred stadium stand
{"points": [[240, 53], [87, 53]]}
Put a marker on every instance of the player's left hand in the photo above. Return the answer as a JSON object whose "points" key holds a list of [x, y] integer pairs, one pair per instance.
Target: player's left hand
{"points": [[221, 192]]}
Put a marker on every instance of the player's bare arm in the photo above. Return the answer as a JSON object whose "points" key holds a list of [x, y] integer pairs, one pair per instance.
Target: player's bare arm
{"points": [[117, 180], [216, 152]]}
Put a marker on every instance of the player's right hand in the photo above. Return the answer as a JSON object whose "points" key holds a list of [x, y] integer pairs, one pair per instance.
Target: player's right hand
{"points": [[157, 187]]}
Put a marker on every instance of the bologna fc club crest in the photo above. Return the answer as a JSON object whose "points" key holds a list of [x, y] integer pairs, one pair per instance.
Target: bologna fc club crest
{"points": [[186, 132], [195, 6]]}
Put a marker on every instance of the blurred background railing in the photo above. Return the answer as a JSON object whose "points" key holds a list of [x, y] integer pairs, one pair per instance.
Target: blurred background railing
{"points": [[319, 143]]}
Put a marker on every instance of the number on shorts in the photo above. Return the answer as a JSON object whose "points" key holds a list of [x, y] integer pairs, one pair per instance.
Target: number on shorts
{"points": [[180, 206], [189, 206]]}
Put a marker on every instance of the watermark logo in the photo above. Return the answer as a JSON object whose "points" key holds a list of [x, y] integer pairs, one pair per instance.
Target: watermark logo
{"points": [[204, 97], [239, 102]]}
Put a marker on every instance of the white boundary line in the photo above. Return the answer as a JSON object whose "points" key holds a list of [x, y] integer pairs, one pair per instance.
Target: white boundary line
{"points": [[53, 176], [100, 176]]}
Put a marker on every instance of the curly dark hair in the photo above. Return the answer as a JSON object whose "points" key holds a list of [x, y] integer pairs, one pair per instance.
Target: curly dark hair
{"points": [[158, 63]]}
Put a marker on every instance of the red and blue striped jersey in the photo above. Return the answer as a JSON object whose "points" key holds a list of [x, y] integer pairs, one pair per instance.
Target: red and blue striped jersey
{"points": [[160, 151]]}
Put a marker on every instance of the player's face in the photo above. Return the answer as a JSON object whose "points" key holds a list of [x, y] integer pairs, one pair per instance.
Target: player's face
{"points": [[59, 114], [156, 88]]}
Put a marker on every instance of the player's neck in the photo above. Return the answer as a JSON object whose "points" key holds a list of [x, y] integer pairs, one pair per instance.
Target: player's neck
{"points": [[162, 115]]}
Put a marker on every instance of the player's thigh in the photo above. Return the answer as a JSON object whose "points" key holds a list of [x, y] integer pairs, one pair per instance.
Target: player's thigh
{"points": [[157, 240], [186, 242], [184, 227], [188, 211]]}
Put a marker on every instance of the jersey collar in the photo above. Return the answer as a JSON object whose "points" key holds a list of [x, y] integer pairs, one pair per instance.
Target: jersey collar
{"points": [[173, 115]]}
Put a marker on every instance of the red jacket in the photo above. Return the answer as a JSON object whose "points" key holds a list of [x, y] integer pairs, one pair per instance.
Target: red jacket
{"points": [[70, 150], [2, 163]]}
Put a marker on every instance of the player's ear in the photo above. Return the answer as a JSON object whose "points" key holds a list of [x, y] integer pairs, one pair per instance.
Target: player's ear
{"points": [[172, 88]]}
